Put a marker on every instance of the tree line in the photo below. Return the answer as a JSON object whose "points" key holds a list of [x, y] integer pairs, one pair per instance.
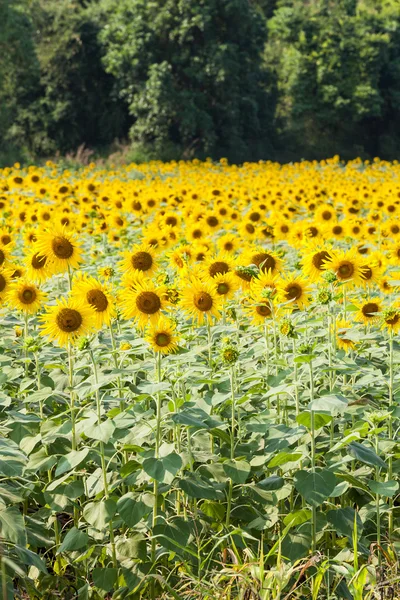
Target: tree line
{"points": [[242, 79]]}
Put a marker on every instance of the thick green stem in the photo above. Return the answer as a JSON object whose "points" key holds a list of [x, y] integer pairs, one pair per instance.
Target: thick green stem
{"points": [[232, 448], [156, 455], [103, 459], [72, 412], [313, 452], [390, 430]]}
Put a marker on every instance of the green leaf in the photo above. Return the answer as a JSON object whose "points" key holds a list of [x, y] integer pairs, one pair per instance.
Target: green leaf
{"points": [[333, 404], [133, 508], [163, 469], [283, 458], [130, 467], [237, 470], [101, 432], [320, 419], [104, 579], [98, 514], [12, 525], [384, 488], [366, 455], [297, 518], [315, 487], [40, 461], [271, 483], [195, 487], [71, 460], [133, 547], [342, 520], [74, 540], [214, 510], [174, 536]]}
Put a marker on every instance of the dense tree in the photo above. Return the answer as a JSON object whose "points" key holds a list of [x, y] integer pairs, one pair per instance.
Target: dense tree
{"points": [[191, 74]]}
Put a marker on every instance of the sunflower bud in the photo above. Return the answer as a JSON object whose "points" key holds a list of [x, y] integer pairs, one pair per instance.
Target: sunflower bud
{"points": [[83, 344], [329, 277], [287, 328], [231, 313], [229, 352], [124, 346], [324, 296], [31, 344]]}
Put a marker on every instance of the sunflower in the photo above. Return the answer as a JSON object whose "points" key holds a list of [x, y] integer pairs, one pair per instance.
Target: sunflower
{"points": [[226, 285], [294, 292], [6, 238], [259, 309], [391, 319], [162, 336], [5, 281], [60, 248], [67, 321], [25, 296], [219, 264], [229, 243], [368, 311], [140, 258], [387, 285], [264, 283], [347, 266], [313, 263], [394, 254], [98, 296], [144, 303], [200, 299], [38, 268], [265, 261], [4, 256], [342, 342], [371, 272]]}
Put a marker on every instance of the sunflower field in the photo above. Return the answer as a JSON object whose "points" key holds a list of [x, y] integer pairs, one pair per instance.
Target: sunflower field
{"points": [[199, 383]]}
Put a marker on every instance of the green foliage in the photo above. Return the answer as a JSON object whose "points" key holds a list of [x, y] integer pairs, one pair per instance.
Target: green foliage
{"points": [[191, 74], [337, 70]]}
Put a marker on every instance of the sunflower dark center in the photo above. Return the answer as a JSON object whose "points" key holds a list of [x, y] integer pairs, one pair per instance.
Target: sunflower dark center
{"points": [[326, 215], [3, 283], [203, 301], [197, 233], [148, 303], [5, 239], [69, 320], [2, 257], [369, 309], [212, 221], [142, 261], [38, 262], [27, 296], [255, 216], [390, 320], [263, 310], [284, 229], [222, 289], [97, 299], [312, 231], [218, 268], [367, 273], [162, 339], [293, 291], [319, 258], [250, 228], [228, 246], [173, 221], [264, 261], [337, 230], [62, 247], [394, 229], [346, 270]]}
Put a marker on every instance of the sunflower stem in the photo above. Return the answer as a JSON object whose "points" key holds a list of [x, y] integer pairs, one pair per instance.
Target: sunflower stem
{"points": [[156, 454], [313, 452], [72, 411], [390, 429], [232, 446], [103, 459], [25, 343]]}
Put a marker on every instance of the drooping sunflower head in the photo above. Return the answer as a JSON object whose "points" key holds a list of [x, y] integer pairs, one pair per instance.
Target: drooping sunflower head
{"points": [[98, 296], [140, 258], [25, 296], [200, 300], [391, 319], [67, 321], [343, 341], [60, 248], [162, 336], [368, 311]]}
